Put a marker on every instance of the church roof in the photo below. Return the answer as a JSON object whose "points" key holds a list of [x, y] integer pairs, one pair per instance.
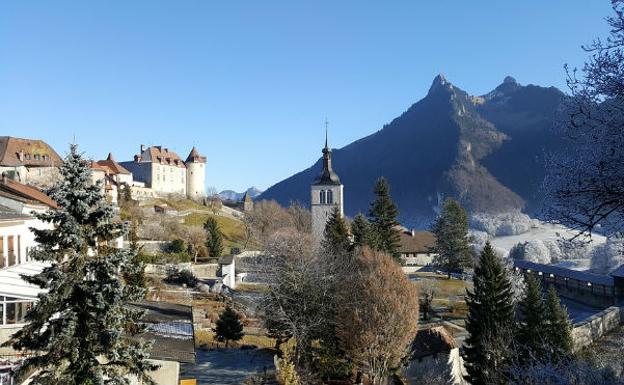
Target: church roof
{"points": [[195, 157], [27, 152]]}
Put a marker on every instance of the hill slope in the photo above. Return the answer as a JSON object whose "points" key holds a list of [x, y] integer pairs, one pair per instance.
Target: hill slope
{"points": [[487, 151]]}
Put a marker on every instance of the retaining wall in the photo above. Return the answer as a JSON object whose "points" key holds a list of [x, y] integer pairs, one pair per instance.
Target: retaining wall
{"points": [[590, 330]]}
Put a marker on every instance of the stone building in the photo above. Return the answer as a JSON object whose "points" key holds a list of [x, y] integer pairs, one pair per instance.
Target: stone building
{"points": [[327, 193], [29, 161], [163, 171]]}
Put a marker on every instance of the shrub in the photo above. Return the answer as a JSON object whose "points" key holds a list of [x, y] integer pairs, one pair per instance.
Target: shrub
{"points": [[181, 277]]}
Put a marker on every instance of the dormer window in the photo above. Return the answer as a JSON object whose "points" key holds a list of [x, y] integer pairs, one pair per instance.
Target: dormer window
{"points": [[27, 156], [37, 157]]}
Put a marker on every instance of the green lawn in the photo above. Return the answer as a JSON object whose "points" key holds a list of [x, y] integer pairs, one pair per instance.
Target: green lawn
{"points": [[233, 230]]}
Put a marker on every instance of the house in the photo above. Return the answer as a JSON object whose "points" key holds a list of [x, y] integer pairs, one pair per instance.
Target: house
{"points": [[29, 161], [416, 247], [227, 269], [163, 171], [434, 352], [23, 198]]}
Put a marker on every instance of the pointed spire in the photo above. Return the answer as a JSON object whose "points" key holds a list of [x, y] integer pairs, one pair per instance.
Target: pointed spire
{"points": [[326, 133], [327, 176]]}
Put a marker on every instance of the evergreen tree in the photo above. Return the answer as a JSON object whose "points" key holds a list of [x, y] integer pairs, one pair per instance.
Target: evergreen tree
{"points": [[532, 323], [81, 328], [360, 228], [383, 212], [336, 237], [489, 322], [451, 231], [214, 238], [229, 327], [558, 332]]}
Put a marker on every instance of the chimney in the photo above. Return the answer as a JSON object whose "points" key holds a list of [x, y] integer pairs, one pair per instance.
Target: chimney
{"points": [[142, 148]]}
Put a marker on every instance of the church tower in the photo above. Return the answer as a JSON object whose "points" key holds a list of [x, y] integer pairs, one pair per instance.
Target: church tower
{"points": [[327, 193], [195, 175]]}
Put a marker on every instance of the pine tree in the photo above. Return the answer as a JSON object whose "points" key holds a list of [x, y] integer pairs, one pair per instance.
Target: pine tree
{"points": [[214, 238], [360, 228], [558, 332], [81, 328], [229, 327], [451, 231], [489, 322], [336, 237], [532, 323], [383, 212]]}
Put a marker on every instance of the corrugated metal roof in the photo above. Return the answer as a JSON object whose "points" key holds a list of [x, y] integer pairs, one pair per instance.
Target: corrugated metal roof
{"points": [[12, 284], [562, 272]]}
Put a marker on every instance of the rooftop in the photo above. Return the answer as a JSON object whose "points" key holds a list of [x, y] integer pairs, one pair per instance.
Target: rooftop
{"points": [[566, 273], [25, 193], [170, 328], [160, 154], [12, 284], [111, 166], [416, 242], [27, 152]]}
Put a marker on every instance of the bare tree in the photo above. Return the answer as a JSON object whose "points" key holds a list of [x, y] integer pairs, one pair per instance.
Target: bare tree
{"points": [[195, 238], [427, 288], [300, 217], [265, 219], [585, 184], [378, 316]]}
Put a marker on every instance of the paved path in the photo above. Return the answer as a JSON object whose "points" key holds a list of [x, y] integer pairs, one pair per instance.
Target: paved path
{"points": [[227, 366]]}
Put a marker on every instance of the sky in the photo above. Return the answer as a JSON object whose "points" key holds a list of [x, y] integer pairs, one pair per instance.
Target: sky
{"points": [[250, 83]]}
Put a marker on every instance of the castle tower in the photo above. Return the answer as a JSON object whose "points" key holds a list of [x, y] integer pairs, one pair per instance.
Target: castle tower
{"points": [[195, 175], [327, 193]]}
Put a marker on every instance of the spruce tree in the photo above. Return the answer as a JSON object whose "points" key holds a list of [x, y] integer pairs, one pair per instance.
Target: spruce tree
{"points": [[383, 213], [336, 236], [214, 238], [451, 230], [558, 332], [81, 328], [532, 323], [489, 322], [229, 327], [360, 228]]}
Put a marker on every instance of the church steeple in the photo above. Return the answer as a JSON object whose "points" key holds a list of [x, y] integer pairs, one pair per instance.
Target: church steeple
{"points": [[328, 176]]}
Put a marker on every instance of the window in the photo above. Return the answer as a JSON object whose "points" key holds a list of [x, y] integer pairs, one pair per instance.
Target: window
{"points": [[37, 157], [19, 249], [2, 252], [330, 197], [323, 197], [11, 250], [13, 310]]}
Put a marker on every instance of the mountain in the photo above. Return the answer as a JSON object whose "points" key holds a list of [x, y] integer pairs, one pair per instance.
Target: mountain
{"points": [[487, 151], [235, 196]]}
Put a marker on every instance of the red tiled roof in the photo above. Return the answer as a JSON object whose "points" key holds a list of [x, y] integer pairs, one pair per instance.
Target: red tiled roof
{"points": [[27, 192], [111, 166], [27, 152], [195, 157], [158, 154]]}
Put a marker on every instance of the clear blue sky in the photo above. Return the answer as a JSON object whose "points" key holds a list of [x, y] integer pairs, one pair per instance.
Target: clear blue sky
{"points": [[251, 82]]}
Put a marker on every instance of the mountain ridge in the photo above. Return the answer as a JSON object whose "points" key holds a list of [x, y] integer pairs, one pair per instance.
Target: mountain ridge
{"points": [[449, 143]]}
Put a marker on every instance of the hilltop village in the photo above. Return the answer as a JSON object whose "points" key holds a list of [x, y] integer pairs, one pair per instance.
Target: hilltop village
{"points": [[218, 274]]}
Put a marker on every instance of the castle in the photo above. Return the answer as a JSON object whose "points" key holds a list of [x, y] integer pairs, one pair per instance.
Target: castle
{"points": [[327, 192], [164, 172]]}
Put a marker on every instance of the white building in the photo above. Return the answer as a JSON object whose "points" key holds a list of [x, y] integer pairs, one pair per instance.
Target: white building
{"points": [[327, 193], [166, 173]]}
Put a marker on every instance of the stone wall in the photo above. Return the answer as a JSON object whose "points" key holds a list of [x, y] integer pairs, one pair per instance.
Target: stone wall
{"points": [[590, 330]]}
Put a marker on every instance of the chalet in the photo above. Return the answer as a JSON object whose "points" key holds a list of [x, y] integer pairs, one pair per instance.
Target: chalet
{"points": [[416, 247]]}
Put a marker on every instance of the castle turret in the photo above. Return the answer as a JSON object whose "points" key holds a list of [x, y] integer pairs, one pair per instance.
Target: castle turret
{"points": [[327, 193], [195, 175]]}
